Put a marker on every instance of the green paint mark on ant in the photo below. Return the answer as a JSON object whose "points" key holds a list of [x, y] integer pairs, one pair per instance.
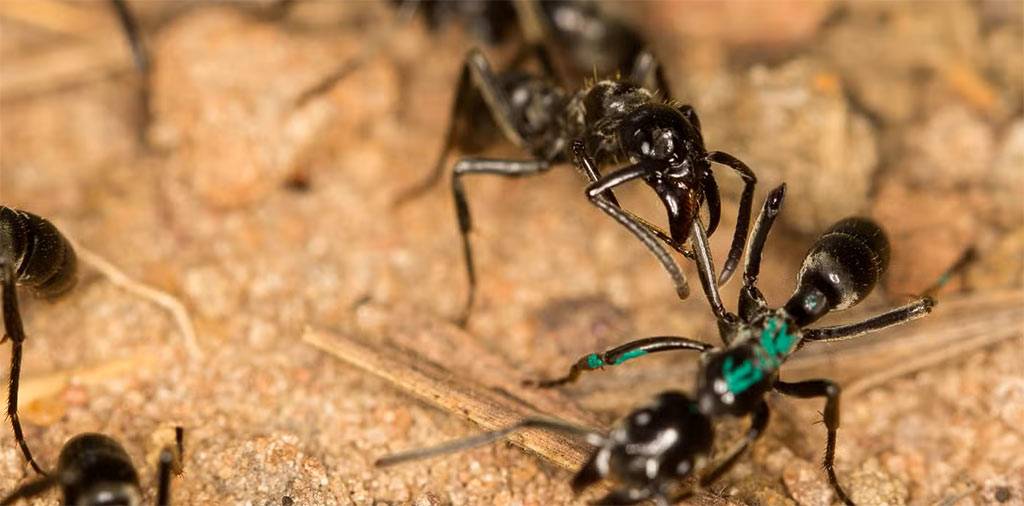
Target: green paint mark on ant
{"points": [[629, 356], [775, 343], [739, 379], [594, 361]]}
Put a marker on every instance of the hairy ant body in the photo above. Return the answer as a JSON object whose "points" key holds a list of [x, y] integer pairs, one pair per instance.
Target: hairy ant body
{"points": [[606, 122], [94, 470], [33, 253], [656, 447]]}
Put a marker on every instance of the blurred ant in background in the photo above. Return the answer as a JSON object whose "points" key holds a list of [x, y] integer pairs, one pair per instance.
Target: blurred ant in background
{"points": [[34, 254], [95, 470], [654, 448]]}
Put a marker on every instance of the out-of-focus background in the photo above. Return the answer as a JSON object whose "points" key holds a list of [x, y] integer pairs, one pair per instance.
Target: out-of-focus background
{"points": [[264, 216]]}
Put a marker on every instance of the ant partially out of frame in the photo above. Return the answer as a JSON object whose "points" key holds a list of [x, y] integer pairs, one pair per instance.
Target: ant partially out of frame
{"points": [[652, 450], [608, 121], [95, 470], [33, 253]]}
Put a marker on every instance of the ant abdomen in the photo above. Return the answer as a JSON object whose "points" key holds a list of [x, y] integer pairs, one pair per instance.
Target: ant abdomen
{"points": [[843, 266], [40, 256]]}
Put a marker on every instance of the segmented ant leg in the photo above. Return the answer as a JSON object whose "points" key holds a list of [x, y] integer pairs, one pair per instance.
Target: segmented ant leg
{"points": [[16, 333], [758, 422], [706, 271], [739, 237], [900, 315], [588, 166], [507, 168], [140, 56], [170, 460], [622, 353], [829, 390], [595, 192], [648, 72], [487, 438], [30, 489], [477, 75]]}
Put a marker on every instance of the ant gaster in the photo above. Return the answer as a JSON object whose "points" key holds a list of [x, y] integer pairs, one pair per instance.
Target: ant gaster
{"points": [[95, 470], [606, 122], [658, 446], [33, 253]]}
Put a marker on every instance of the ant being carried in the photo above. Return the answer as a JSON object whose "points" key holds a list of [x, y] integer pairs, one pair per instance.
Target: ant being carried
{"points": [[609, 121], [94, 469], [653, 449]]}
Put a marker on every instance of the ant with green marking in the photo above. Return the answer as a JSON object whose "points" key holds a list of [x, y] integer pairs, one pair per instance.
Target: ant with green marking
{"points": [[653, 449]]}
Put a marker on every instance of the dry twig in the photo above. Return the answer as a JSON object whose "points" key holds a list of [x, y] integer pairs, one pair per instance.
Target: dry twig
{"points": [[162, 299]]}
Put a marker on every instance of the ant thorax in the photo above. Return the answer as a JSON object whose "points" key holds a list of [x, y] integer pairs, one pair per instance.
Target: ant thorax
{"points": [[772, 337], [596, 112], [736, 377]]}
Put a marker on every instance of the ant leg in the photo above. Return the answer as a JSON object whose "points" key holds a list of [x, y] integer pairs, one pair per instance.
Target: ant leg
{"points": [[648, 72], [743, 217], [170, 460], [917, 309], [30, 489], [706, 271], [140, 55], [758, 422], [477, 75], [16, 333], [507, 168], [588, 166], [763, 225], [829, 390], [466, 443], [595, 192], [622, 353]]}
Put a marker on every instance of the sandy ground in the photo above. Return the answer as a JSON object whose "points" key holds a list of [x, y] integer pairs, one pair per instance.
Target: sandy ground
{"points": [[265, 218]]}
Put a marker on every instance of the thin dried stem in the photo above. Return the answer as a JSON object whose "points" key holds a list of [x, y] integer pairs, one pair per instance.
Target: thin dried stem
{"points": [[160, 298]]}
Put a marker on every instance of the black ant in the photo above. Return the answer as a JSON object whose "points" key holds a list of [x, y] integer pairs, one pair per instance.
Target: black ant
{"points": [[660, 445], [607, 121], [33, 253], [94, 469]]}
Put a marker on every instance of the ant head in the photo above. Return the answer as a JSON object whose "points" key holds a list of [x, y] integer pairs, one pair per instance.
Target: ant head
{"points": [[842, 268], [660, 133], [662, 442], [729, 383]]}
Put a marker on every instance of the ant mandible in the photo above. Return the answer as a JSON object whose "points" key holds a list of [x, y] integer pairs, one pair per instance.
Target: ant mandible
{"points": [[94, 469], [608, 121], [33, 253], [655, 447]]}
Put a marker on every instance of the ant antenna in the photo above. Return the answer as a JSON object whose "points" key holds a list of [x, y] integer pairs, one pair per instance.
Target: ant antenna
{"points": [[483, 439], [968, 257]]}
